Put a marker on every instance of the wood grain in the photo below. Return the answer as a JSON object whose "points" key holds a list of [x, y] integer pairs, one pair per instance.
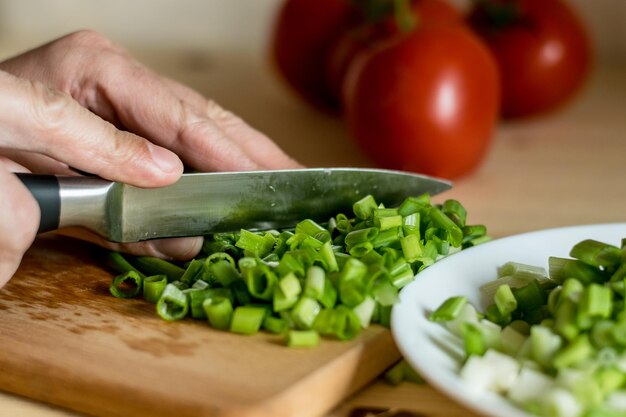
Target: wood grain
{"points": [[67, 341]]}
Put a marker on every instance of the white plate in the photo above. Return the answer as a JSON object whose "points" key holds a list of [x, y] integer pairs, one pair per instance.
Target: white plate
{"points": [[430, 348]]}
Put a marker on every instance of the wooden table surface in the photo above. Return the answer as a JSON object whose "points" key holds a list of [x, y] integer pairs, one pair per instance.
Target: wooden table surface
{"points": [[563, 169]]}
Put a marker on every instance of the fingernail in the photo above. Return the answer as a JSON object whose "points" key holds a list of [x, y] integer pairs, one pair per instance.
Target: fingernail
{"points": [[166, 160], [181, 248]]}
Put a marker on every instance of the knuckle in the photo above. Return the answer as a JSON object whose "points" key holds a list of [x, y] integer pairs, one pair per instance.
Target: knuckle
{"points": [[86, 38], [218, 113], [49, 108]]}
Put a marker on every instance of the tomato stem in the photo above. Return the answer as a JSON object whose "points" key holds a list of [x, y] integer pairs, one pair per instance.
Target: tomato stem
{"points": [[378, 10], [404, 16], [499, 13]]}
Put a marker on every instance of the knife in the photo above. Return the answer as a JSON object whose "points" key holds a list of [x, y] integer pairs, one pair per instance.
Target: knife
{"points": [[203, 203]]}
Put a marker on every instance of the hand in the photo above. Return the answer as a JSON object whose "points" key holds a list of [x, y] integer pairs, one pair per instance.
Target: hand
{"points": [[82, 103]]}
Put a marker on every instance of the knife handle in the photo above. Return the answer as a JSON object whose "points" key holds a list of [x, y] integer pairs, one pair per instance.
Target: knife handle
{"points": [[46, 190]]}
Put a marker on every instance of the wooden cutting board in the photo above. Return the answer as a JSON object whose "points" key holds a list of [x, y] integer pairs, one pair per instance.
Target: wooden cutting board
{"points": [[65, 340]]}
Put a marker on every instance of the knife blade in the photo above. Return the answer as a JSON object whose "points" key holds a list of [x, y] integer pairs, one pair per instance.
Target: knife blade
{"points": [[204, 203]]}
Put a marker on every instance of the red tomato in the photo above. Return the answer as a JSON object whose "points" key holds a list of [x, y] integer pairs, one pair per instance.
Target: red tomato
{"points": [[364, 36], [304, 32], [426, 103], [542, 49]]}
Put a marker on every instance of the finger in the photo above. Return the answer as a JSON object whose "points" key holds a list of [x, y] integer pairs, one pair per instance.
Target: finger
{"points": [[255, 144], [182, 248], [261, 148], [12, 166], [149, 108], [36, 162], [43, 120], [19, 214]]}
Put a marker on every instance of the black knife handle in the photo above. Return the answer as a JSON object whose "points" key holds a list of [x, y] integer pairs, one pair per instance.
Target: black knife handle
{"points": [[46, 190]]}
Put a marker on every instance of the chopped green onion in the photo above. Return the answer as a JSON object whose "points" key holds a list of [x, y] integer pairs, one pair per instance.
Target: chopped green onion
{"points": [[412, 205], [597, 301], [119, 263], [364, 208], [562, 268], [473, 339], [219, 312], [194, 271], [302, 338], [247, 319], [455, 211], [150, 265], [173, 304], [411, 248], [153, 287], [260, 281], [277, 325], [577, 351], [596, 253], [255, 244], [127, 285], [449, 310], [454, 232], [224, 272], [315, 280], [505, 300], [311, 228], [304, 312]]}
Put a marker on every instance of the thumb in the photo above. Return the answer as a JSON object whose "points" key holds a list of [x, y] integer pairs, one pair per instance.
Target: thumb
{"points": [[18, 223], [47, 121]]}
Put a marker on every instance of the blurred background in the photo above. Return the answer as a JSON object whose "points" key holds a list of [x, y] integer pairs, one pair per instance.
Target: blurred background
{"points": [[219, 47]]}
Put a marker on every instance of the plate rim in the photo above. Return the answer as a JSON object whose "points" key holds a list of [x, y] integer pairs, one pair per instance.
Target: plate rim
{"points": [[487, 399]]}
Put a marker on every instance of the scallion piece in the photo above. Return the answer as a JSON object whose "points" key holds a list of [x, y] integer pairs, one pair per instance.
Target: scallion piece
{"points": [[346, 323], [193, 272], [577, 351], [260, 281], [356, 237], [449, 309], [277, 325], [329, 297], [597, 301], [255, 244], [327, 257], [302, 338], [596, 253], [126, 285], [411, 248], [219, 312], [412, 205], [364, 208], [411, 225], [314, 284], [224, 272], [173, 304], [247, 319], [343, 223], [150, 265], [454, 232], [311, 228], [473, 340], [562, 268], [505, 300], [388, 222], [365, 311], [153, 287], [304, 312], [455, 211], [119, 263]]}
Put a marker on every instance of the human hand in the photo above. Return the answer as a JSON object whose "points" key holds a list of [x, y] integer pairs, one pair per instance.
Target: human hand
{"points": [[83, 103]]}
